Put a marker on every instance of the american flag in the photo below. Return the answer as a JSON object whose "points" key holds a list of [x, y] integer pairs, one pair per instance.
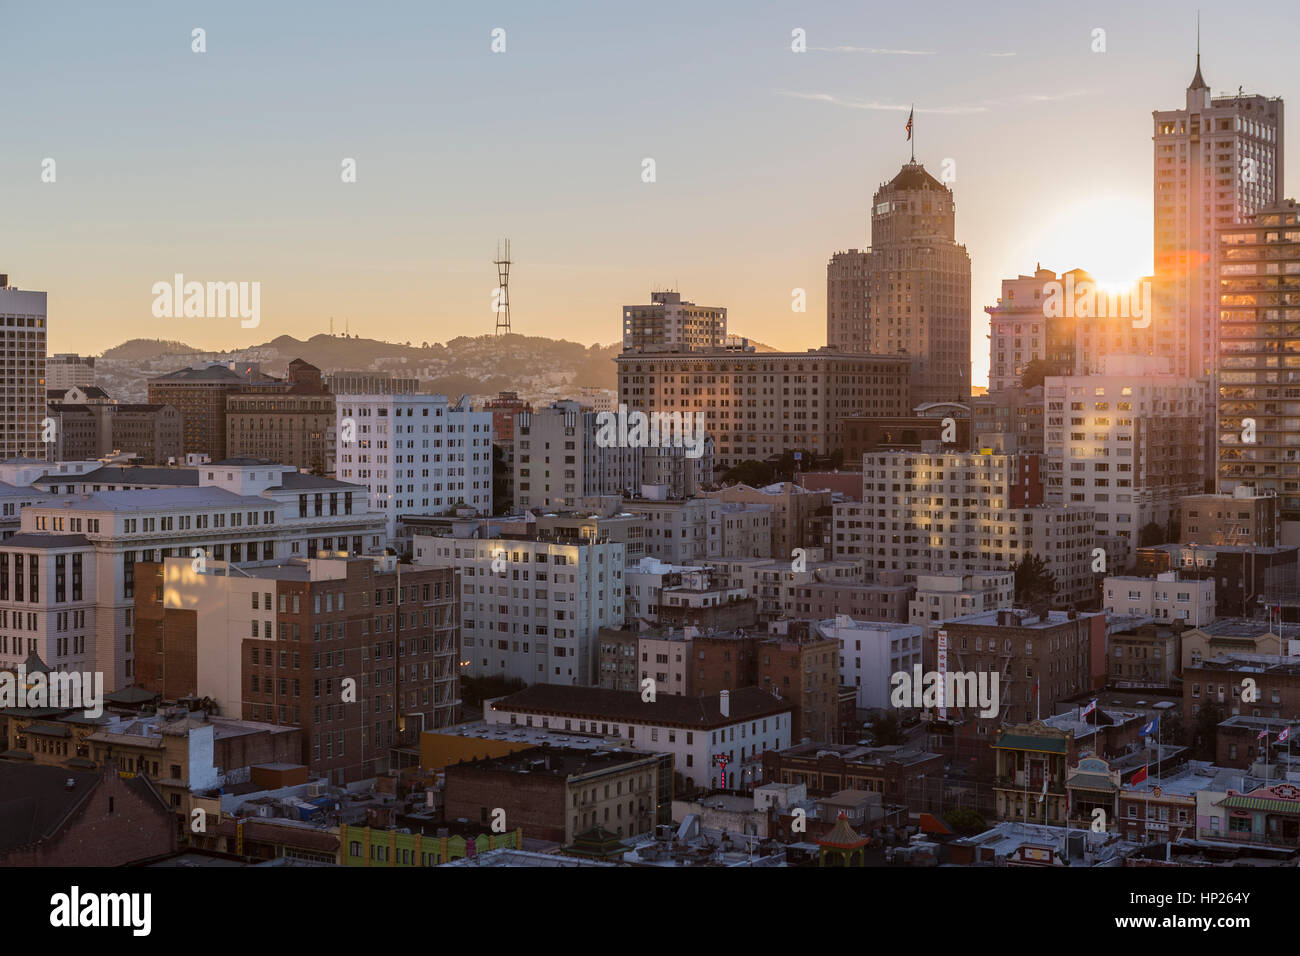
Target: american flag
{"points": [[909, 122]]}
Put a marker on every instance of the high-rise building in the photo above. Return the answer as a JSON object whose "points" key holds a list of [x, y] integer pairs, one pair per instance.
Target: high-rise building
{"points": [[1259, 357], [417, 454], [953, 512], [289, 422], [22, 372], [67, 369], [532, 605], [911, 292], [1218, 160], [759, 404], [200, 394], [668, 324], [277, 643], [1126, 446]]}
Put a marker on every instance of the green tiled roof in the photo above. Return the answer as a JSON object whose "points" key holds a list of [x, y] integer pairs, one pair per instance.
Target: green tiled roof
{"points": [[1262, 803], [1092, 781], [1047, 745]]}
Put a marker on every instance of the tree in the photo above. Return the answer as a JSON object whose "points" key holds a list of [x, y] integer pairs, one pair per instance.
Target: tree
{"points": [[1152, 533], [751, 472], [1205, 738], [1034, 581], [965, 821], [1036, 371], [837, 458], [886, 730]]}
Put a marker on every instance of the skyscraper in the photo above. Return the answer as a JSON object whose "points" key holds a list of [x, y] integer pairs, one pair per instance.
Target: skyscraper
{"points": [[22, 371], [1217, 161], [911, 290]]}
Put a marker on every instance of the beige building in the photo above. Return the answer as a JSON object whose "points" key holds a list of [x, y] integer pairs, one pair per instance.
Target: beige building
{"points": [[911, 292], [776, 585], [943, 596], [759, 404], [1240, 518], [950, 512], [747, 529], [793, 508], [668, 324]]}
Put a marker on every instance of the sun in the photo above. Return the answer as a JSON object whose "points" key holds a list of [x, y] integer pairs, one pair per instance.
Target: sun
{"points": [[1107, 236]]}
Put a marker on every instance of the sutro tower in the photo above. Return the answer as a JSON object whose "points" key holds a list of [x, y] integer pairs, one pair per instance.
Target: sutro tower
{"points": [[502, 262]]}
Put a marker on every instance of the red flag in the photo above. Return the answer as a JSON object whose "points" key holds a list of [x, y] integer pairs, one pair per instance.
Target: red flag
{"points": [[909, 123], [1139, 777]]}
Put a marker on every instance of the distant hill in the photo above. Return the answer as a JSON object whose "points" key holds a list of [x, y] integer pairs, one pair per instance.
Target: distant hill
{"points": [[137, 349]]}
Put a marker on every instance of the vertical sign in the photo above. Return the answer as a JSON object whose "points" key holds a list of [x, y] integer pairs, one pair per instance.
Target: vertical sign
{"points": [[941, 662]]}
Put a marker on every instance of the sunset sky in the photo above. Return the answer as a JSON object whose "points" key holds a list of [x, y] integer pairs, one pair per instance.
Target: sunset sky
{"points": [[226, 165]]}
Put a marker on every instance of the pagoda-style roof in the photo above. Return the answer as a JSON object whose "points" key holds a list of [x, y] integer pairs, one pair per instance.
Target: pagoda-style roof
{"points": [[597, 843], [843, 836]]}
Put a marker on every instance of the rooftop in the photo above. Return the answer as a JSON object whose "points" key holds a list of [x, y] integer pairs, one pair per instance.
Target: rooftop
{"points": [[746, 703]]}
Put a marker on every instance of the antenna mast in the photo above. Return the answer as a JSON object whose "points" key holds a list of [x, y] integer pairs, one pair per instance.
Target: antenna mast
{"points": [[502, 262]]}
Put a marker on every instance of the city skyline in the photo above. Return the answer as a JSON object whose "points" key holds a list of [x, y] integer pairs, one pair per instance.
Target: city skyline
{"points": [[199, 179]]}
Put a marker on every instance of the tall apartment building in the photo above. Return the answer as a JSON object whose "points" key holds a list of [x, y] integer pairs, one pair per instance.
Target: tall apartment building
{"points": [[668, 324], [678, 530], [935, 512], [291, 422], [200, 394], [870, 653], [793, 511], [504, 408], [911, 292], [1126, 446], [532, 605], [1041, 659], [244, 513], [67, 369], [1068, 322], [1217, 161], [759, 404], [1240, 518], [1014, 416], [1166, 597], [940, 597], [1259, 360], [22, 372], [276, 643], [557, 460], [416, 454], [370, 383]]}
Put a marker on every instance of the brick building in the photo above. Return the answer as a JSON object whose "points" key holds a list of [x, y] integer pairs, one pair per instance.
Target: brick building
{"points": [[276, 643], [200, 394], [291, 423], [830, 768], [804, 669], [555, 793], [53, 816]]}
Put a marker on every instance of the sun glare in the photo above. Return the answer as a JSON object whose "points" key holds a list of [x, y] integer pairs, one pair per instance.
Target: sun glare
{"points": [[1109, 237]]}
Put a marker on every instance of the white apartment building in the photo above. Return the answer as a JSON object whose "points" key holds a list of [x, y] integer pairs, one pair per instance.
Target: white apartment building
{"points": [[243, 513], [415, 454], [739, 725], [69, 370], [13, 500], [678, 531], [668, 324], [746, 529], [557, 461], [644, 585], [532, 606], [22, 372], [1166, 597], [775, 585], [871, 652], [950, 512], [1126, 445], [940, 597]]}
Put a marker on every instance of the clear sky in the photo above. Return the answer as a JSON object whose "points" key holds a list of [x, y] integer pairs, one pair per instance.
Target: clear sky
{"points": [[226, 165]]}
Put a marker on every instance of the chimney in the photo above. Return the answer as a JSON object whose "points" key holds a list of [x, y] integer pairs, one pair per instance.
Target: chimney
{"points": [[724, 703]]}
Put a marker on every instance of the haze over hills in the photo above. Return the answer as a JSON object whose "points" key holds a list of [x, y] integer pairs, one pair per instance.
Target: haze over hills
{"points": [[481, 365]]}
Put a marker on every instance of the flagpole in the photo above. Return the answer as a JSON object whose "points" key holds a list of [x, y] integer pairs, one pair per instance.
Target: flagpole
{"points": [[912, 116]]}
